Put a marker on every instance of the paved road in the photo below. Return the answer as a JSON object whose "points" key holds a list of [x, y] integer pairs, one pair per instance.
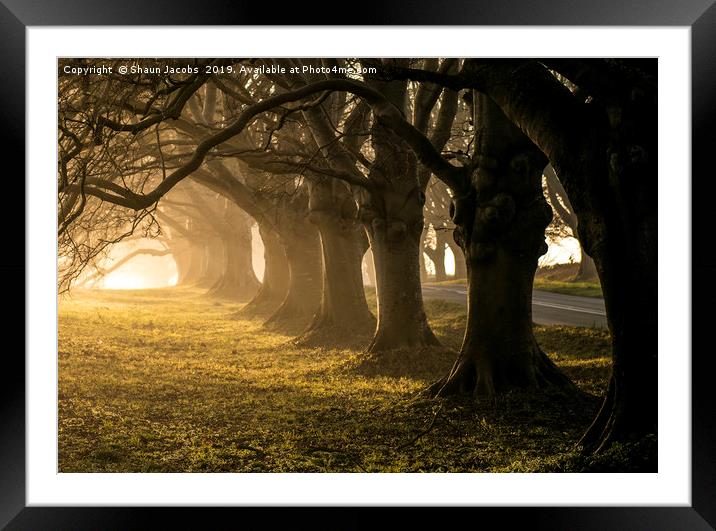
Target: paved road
{"points": [[547, 308]]}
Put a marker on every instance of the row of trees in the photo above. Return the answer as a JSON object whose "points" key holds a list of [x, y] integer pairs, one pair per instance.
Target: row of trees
{"points": [[330, 165]]}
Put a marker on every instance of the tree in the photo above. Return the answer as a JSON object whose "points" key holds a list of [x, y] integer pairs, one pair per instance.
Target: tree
{"points": [[392, 186], [392, 210], [500, 216], [559, 202], [604, 151], [238, 280], [437, 213], [384, 178], [92, 144], [292, 248], [603, 147]]}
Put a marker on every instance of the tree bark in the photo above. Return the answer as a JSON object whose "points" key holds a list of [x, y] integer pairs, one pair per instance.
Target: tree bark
{"points": [[421, 263], [396, 245], [193, 257], [213, 262], [392, 214], [500, 227], [459, 257], [303, 254], [274, 287], [438, 257], [628, 412], [238, 280], [343, 312], [620, 233], [587, 268], [605, 153]]}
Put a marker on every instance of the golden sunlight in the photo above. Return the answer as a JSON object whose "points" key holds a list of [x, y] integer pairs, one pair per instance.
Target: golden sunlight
{"points": [[140, 270]]}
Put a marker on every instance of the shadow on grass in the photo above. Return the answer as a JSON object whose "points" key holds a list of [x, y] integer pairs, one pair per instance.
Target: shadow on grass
{"points": [[569, 342], [333, 338], [289, 328], [425, 363], [205, 393]]}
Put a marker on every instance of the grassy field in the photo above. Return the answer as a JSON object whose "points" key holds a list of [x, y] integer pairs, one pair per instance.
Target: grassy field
{"points": [[173, 381]]}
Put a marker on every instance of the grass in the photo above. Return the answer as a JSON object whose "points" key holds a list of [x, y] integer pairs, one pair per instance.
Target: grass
{"points": [[559, 279], [582, 289], [173, 381], [556, 279]]}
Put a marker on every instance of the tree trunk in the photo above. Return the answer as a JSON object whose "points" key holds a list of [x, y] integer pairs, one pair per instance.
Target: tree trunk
{"points": [[438, 258], [500, 226], [238, 280], [629, 410], [421, 256], [627, 270], [620, 232], [213, 262], [182, 259], [587, 268], [392, 214], [401, 317], [303, 254], [343, 312], [499, 350], [423, 267], [274, 287], [459, 256], [605, 153], [193, 258]]}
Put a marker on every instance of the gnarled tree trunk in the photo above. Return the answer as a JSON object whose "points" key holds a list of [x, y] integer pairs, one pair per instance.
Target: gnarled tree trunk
{"points": [[500, 226], [605, 153], [238, 281], [392, 213], [626, 262]]}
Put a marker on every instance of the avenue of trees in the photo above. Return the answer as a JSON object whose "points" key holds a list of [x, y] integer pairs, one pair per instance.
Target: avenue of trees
{"points": [[370, 166]]}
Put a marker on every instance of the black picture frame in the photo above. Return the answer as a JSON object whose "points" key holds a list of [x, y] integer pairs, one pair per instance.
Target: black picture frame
{"points": [[700, 15]]}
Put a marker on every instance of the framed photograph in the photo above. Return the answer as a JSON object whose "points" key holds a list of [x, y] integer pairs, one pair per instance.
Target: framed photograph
{"points": [[436, 258]]}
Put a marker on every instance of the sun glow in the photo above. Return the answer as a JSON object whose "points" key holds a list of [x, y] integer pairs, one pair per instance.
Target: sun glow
{"points": [[132, 277], [141, 271], [561, 251]]}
